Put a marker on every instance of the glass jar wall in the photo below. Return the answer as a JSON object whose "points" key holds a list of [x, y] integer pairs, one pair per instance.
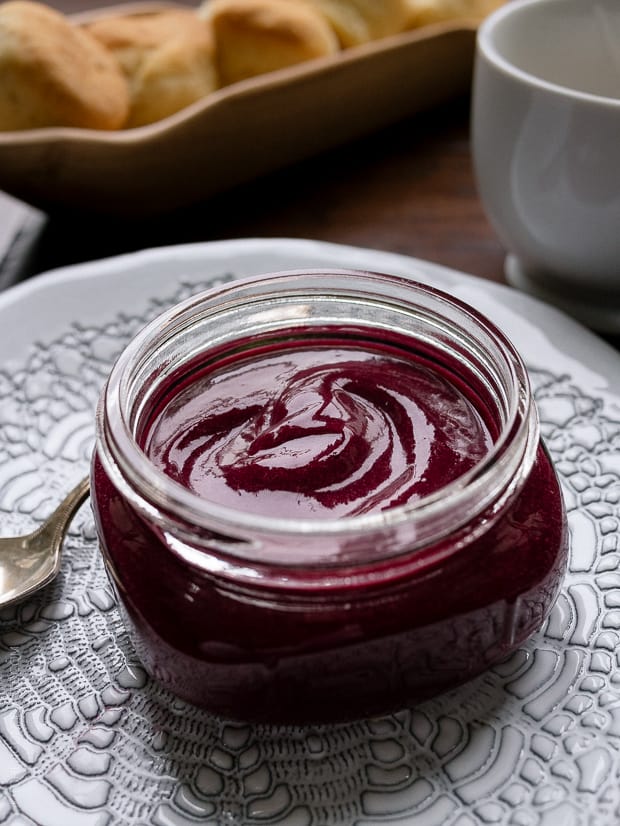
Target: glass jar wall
{"points": [[323, 495]]}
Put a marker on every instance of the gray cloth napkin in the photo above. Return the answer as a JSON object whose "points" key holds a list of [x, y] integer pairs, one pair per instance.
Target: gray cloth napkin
{"points": [[20, 229]]}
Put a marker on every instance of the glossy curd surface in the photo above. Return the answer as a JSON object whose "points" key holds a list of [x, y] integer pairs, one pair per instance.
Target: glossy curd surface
{"points": [[326, 429]]}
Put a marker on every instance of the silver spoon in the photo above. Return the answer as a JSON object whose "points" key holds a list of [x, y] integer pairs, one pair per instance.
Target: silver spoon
{"points": [[28, 563]]}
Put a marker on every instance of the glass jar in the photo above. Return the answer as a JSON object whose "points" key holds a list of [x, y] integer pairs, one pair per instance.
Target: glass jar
{"points": [[290, 618]]}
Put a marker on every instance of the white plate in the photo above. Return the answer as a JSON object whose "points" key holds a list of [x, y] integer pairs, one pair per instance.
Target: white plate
{"points": [[86, 738]]}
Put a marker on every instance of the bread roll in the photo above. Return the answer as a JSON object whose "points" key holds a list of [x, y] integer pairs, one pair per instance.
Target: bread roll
{"points": [[257, 36], [359, 21], [167, 56], [54, 74], [423, 12]]}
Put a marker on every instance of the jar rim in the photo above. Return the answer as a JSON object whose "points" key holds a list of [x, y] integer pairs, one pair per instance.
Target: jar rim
{"points": [[169, 503]]}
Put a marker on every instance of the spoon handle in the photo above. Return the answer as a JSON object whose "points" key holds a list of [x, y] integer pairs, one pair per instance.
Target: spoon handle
{"points": [[58, 521]]}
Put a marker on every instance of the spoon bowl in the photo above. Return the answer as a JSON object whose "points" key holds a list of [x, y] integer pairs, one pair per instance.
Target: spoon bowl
{"points": [[28, 563]]}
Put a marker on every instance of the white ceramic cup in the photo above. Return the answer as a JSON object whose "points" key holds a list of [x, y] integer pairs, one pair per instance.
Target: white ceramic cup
{"points": [[546, 149]]}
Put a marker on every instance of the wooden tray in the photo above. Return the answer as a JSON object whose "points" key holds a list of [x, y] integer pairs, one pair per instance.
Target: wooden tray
{"points": [[239, 132]]}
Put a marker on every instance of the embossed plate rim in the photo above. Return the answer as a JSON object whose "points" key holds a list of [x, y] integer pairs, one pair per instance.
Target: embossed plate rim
{"points": [[41, 308]]}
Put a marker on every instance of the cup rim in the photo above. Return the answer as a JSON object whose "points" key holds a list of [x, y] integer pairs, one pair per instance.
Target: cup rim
{"points": [[486, 47]]}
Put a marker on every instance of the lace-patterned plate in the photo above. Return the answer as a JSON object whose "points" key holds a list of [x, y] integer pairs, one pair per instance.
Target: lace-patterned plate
{"points": [[86, 738]]}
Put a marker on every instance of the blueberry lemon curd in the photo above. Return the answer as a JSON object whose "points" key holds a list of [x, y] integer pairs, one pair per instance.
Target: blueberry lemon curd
{"points": [[323, 496], [320, 430]]}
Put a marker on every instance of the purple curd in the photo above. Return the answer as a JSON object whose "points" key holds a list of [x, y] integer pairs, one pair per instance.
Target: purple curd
{"points": [[317, 521], [317, 431]]}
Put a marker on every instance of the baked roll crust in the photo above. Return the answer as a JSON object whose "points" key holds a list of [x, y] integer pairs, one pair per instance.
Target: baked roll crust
{"points": [[359, 21], [257, 36], [53, 73], [168, 58], [425, 12]]}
